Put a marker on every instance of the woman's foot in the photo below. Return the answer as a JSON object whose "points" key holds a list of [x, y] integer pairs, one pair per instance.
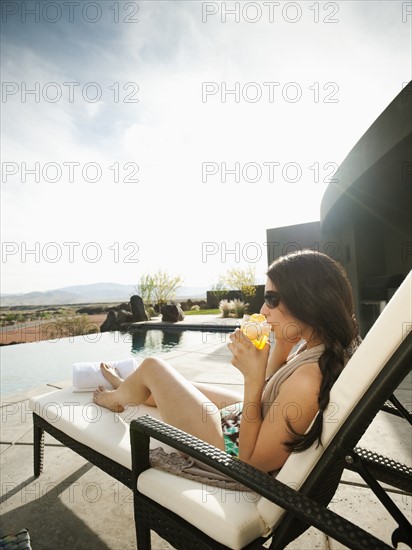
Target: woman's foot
{"points": [[105, 398], [111, 375]]}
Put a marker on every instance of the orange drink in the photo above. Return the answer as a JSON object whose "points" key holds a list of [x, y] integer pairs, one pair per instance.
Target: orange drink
{"points": [[256, 329]]}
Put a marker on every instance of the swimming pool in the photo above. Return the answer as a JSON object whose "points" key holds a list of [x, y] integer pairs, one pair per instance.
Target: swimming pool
{"points": [[25, 366]]}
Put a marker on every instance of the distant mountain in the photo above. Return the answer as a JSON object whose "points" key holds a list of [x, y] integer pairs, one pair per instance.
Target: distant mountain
{"points": [[93, 293]]}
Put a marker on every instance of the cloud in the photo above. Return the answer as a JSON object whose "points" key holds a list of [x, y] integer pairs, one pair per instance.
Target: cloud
{"points": [[152, 128]]}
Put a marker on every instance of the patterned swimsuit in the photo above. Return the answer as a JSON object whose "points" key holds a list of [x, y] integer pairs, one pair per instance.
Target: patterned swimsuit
{"points": [[231, 417]]}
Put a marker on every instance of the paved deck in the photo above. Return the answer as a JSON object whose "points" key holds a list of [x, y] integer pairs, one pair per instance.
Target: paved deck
{"points": [[75, 506]]}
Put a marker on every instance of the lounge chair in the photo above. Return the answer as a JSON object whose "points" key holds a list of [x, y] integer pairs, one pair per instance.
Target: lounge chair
{"points": [[189, 514]]}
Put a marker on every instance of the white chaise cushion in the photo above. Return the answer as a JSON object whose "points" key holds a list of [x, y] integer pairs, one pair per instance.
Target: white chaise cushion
{"points": [[76, 415], [229, 517], [232, 515]]}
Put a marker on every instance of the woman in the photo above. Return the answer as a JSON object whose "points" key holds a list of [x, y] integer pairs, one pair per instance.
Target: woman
{"points": [[308, 298]]}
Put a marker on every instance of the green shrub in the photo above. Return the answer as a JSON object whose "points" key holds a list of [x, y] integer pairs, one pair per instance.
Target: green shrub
{"points": [[203, 312], [69, 326]]}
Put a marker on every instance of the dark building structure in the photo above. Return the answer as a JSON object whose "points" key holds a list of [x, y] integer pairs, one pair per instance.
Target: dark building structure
{"points": [[366, 216]]}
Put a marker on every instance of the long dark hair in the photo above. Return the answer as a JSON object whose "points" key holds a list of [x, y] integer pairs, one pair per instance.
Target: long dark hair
{"points": [[315, 290]]}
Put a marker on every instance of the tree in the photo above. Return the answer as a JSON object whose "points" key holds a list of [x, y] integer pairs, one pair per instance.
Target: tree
{"points": [[145, 288], [158, 288], [165, 286], [243, 280]]}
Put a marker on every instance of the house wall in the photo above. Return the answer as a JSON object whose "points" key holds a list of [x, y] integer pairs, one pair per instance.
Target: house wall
{"points": [[282, 240], [366, 219]]}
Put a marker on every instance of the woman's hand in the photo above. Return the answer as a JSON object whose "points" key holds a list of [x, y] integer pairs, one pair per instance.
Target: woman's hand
{"points": [[250, 361]]}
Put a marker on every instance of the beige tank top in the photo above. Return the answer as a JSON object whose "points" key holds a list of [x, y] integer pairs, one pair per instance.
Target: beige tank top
{"points": [[271, 390]]}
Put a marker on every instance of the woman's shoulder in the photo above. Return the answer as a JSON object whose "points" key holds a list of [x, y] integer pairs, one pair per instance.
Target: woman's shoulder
{"points": [[290, 378], [307, 370], [305, 378]]}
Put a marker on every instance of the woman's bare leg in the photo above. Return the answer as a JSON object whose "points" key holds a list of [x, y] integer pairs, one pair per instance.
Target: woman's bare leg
{"points": [[221, 397], [180, 403]]}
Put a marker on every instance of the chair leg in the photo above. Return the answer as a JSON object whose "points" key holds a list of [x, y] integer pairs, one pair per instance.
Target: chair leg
{"points": [[38, 448], [142, 536]]}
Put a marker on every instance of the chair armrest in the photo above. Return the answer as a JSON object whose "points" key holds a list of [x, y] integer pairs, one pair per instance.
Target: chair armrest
{"points": [[268, 487]]}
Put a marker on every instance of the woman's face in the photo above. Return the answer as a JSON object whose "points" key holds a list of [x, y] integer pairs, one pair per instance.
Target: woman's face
{"points": [[284, 326]]}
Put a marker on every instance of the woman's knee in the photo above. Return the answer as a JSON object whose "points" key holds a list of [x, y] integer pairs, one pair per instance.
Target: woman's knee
{"points": [[153, 365]]}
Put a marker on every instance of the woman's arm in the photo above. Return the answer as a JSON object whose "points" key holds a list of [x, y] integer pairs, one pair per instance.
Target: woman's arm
{"points": [[261, 441], [252, 419], [252, 363]]}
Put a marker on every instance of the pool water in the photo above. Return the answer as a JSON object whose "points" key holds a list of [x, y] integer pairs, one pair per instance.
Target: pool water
{"points": [[25, 366]]}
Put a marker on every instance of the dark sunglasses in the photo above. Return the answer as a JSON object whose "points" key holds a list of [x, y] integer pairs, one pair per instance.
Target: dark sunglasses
{"points": [[272, 298]]}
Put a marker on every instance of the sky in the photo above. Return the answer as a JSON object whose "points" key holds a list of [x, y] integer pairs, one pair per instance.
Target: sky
{"points": [[148, 135]]}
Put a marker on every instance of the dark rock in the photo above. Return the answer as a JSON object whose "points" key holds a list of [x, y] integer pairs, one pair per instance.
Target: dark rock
{"points": [[124, 317], [125, 307], [172, 313], [137, 307], [110, 323]]}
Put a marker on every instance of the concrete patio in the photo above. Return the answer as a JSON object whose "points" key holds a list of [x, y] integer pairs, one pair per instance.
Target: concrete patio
{"points": [[74, 506]]}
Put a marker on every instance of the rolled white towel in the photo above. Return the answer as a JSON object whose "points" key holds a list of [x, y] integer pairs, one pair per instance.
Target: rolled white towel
{"points": [[87, 376]]}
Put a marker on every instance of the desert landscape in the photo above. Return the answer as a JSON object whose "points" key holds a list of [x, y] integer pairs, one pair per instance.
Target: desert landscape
{"points": [[22, 324]]}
